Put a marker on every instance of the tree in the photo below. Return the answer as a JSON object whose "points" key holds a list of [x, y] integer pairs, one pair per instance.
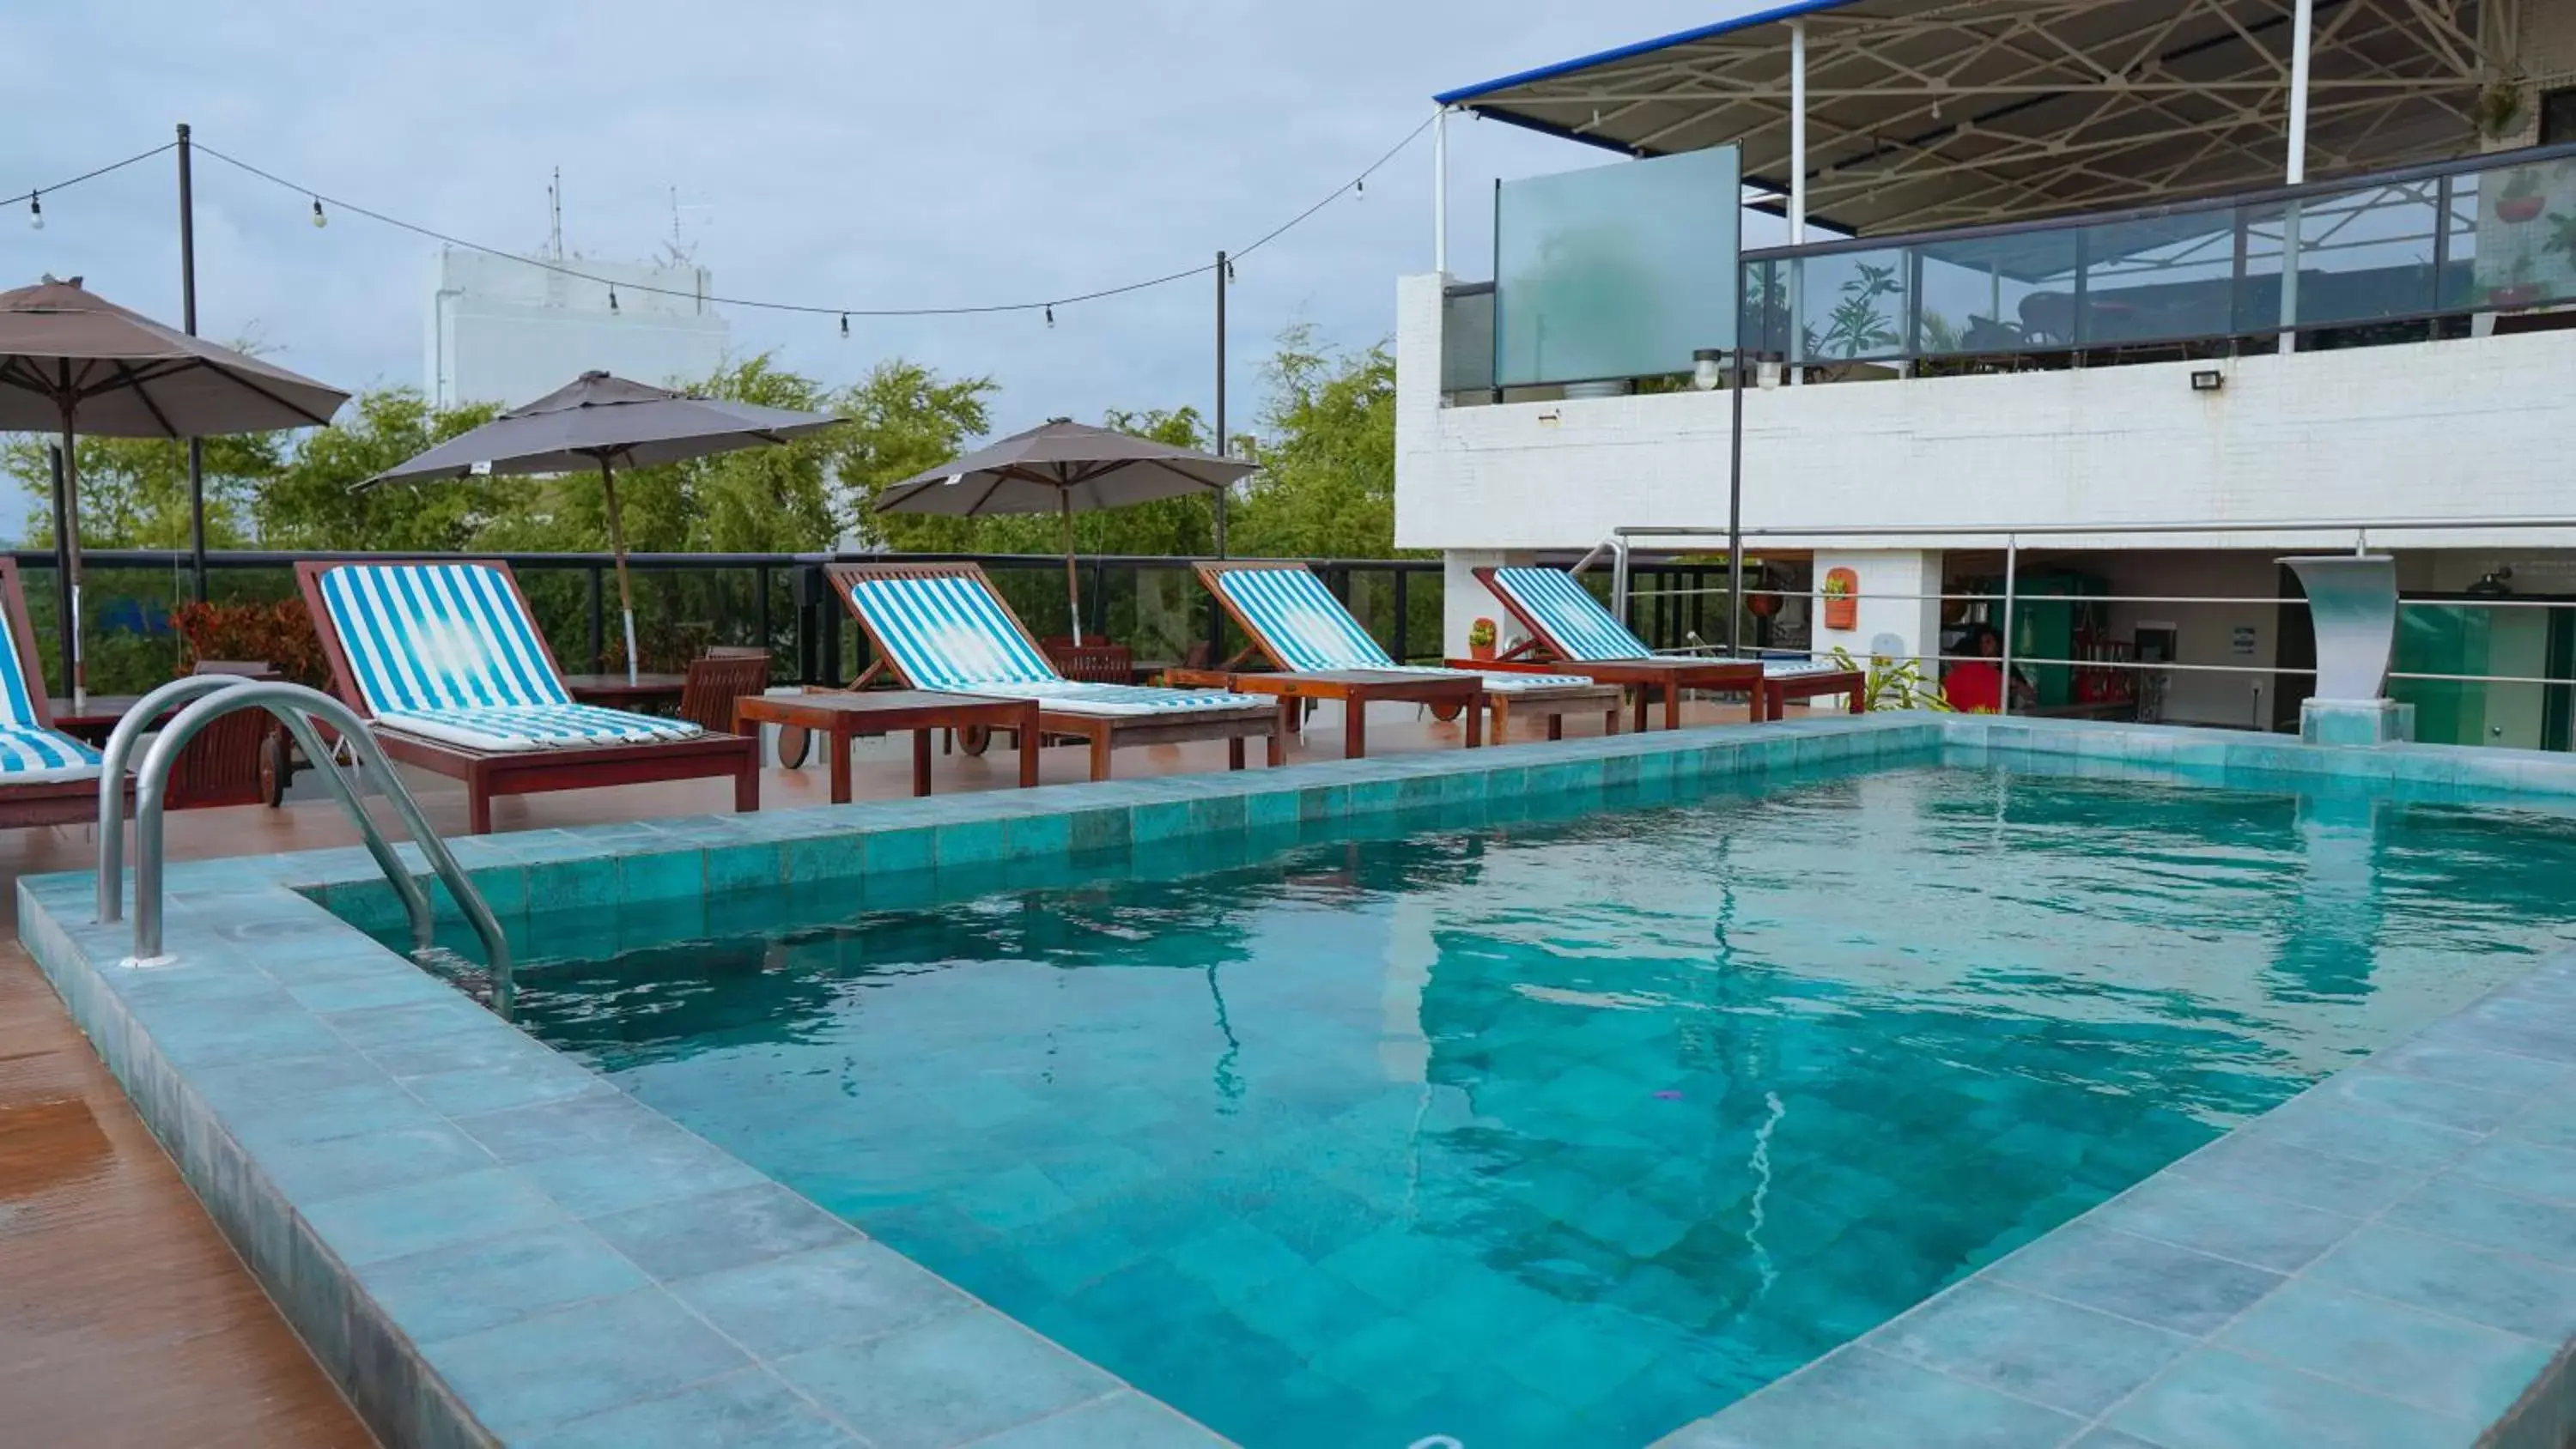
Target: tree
{"points": [[1326, 488], [904, 419], [134, 491], [308, 502]]}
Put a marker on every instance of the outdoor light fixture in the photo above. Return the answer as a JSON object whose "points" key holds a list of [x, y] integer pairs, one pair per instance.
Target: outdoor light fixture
{"points": [[319, 220], [845, 325], [35, 212], [2208, 379], [1050, 314], [1708, 369], [612, 299]]}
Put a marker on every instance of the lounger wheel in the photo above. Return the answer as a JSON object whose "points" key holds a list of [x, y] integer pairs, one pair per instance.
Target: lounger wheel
{"points": [[1447, 712], [793, 742], [974, 739], [276, 767]]}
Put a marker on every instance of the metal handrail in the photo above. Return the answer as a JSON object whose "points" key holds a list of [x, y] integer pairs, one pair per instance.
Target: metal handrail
{"points": [[298, 707]]}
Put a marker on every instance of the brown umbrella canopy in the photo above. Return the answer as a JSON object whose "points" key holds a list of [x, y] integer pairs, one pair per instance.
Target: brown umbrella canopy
{"points": [[1063, 467], [74, 363]]}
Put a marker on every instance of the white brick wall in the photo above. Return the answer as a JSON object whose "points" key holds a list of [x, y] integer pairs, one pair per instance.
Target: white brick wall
{"points": [[2470, 429]]}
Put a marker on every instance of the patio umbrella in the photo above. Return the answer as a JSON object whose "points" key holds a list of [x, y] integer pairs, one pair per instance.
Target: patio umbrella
{"points": [[1059, 467], [599, 421], [71, 362]]}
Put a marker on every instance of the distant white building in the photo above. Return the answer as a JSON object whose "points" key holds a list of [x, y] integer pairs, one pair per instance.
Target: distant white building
{"points": [[504, 331]]}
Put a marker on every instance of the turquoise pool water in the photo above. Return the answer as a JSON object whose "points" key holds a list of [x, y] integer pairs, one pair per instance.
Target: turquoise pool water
{"points": [[1569, 1131]]}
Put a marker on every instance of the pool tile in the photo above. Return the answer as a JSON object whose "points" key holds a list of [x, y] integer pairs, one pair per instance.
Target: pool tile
{"points": [[318, 1172], [2137, 1278], [2335, 1128], [2213, 1399], [2469, 1067], [653, 1168], [2467, 1212], [1873, 1401], [2265, 1232], [2441, 1364], [409, 1022], [398, 1221], [468, 1287], [712, 1231], [661, 874], [377, 1106], [2420, 1099], [2031, 1347], [746, 866], [752, 1409], [2524, 1168], [803, 1301], [2268, 1168], [2479, 1285], [542, 1371], [603, 1119], [525, 1076], [952, 1379]]}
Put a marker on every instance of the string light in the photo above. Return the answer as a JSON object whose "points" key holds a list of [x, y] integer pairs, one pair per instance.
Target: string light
{"points": [[845, 326], [1357, 186], [612, 299], [35, 212], [1229, 269], [319, 220]]}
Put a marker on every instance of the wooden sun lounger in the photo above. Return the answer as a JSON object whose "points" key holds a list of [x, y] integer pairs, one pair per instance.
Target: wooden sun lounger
{"points": [[487, 773], [1103, 733], [1664, 675], [41, 802], [1355, 688]]}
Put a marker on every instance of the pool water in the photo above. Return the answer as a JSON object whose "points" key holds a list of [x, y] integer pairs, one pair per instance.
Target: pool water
{"points": [[1572, 1131]]}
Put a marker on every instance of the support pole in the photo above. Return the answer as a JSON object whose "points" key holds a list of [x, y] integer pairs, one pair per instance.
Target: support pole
{"points": [[62, 566], [617, 542], [1223, 447], [1440, 191], [1735, 519], [2012, 572], [1072, 578], [67, 529], [188, 323], [1794, 268], [2302, 41]]}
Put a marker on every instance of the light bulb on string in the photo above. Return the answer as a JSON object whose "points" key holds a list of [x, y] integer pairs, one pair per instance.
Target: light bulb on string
{"points": [[1050, 311], [845, 326], [1229, 271], [1360, 187], [612, 299], [35, 212], [319, 220]]}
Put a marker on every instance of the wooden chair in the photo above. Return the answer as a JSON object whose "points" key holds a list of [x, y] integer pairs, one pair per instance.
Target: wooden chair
{"points": [[717, 679], [1097, 663], [46, 777], [241, 758], [446, 662]]}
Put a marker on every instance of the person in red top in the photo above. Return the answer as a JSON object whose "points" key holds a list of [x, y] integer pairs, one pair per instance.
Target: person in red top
{"points": [[1976, 686]]}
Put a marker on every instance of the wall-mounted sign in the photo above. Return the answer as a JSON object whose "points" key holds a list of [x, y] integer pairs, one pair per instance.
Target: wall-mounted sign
{"points": [[2242, 644]]}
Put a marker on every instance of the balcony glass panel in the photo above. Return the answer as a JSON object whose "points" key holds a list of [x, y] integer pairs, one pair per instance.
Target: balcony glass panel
{"points": [[1467, 341], [1851, 305], [1765, 322], [2363, 256], [1976, 293], [2513, 237], [1618, 271], [2155, 280]]}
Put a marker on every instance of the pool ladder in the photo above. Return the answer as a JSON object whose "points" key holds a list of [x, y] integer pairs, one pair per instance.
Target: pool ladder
{"points": [[202, 699]]}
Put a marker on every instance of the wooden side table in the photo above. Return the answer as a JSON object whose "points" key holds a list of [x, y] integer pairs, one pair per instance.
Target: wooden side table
{"points": [[841, 716], [1356, 689]]}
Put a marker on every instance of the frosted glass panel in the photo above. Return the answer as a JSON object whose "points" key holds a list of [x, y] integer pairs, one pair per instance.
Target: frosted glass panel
{"points": [[1615, 272]]}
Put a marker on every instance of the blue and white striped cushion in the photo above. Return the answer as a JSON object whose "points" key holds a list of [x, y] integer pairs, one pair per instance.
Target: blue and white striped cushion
{"points": [[29, 755], [446, 652], [1574, 623], [946, 632], [29, 751], [538, 727], [1308, 631], [1080, 697]]}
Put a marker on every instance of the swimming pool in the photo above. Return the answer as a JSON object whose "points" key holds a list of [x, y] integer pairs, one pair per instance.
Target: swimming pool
{"points": [[1571, 1129]]}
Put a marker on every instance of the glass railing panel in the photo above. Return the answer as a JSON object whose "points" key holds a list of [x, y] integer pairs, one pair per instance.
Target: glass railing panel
{"points": [[1467, 341], [1976, 295], [2512, 241], [1851, 306], [2363, 256], [2151, 280], [1765, 321]]}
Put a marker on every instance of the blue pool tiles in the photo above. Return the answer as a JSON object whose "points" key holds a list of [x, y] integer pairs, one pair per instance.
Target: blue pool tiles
{"points": [[481, 1240]]}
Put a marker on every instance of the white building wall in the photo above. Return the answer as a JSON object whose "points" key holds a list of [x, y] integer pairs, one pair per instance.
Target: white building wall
{"points": [[503, 331], [2469, 429]]}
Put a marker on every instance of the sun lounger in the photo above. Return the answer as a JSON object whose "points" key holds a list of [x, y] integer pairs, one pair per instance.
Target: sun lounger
{"points": [[1322, 652], [46, 777], [1576, 635], [941, 626], [447, 664]]}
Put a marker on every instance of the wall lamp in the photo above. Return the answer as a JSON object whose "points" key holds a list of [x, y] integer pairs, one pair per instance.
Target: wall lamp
{"points": [[2208, 379]]}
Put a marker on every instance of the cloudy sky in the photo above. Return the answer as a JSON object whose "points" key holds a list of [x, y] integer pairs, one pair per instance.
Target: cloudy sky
{"points": [[875, 155]]}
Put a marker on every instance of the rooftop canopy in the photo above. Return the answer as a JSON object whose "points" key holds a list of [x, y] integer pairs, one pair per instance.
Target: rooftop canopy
{"points": [[1933, 113]]}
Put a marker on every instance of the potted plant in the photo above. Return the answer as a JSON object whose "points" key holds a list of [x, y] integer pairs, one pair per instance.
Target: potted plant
{"points": [[2521, 200], [1895, 683], [1480, 639], [1842, 609]]}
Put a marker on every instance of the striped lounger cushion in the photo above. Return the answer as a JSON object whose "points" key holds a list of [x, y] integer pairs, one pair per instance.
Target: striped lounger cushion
{"points": [[1591, 634], [1311, 632], [446, 652], [30, 753], [949, 633]]}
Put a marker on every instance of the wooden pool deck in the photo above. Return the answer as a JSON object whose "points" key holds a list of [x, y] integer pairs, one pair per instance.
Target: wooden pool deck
{"points": [[125, 1318]]}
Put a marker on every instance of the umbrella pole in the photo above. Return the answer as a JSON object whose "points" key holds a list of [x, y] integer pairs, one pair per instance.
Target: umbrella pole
{"points": [[1072, 576], [617, 545], [69, 527]]}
